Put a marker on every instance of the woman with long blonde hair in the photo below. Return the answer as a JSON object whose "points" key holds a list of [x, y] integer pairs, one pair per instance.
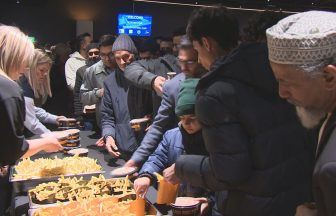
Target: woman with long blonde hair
{"points": [[16, 52], [36, 88]]}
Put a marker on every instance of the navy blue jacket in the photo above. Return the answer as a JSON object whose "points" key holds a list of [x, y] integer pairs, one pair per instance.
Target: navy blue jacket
{"points": [[258, 150], [163, 121], [116, 110], [169, 149]]}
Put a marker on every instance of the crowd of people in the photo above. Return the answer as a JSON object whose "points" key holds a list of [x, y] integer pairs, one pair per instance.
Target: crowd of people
{"points": [[246, 124]]}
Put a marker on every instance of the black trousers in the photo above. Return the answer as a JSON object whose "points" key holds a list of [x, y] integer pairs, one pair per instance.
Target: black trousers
{"points": [[5, 193]]}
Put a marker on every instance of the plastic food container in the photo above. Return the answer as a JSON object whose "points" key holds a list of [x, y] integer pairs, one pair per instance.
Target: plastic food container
{"points": [[186, 206]]}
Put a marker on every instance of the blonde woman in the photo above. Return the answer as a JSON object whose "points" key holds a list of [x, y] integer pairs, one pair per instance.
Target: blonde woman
{"points": [[36, 88], [16, 52]]}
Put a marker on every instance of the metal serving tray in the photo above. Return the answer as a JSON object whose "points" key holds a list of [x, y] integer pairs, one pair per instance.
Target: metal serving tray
{"points": [[33, 205], [23, 185]]}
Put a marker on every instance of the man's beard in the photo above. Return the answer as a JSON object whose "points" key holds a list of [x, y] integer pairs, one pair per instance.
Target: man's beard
{"points": [[92, 61], [309, 118]]}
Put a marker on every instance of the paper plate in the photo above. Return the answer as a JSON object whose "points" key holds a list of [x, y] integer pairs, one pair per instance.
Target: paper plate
{"points": [[123, 171]]}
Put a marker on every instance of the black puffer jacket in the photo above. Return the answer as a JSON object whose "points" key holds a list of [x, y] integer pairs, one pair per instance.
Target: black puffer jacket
{"points": [[258, 151]]}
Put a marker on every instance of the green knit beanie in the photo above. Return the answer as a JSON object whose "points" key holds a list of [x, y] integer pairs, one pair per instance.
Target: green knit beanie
{"points": [[186, 98]]}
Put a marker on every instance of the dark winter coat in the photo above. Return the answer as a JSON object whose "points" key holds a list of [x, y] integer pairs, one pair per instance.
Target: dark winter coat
{"points": [[143, 72], [121, 103], [258, 150], [324, 183]]}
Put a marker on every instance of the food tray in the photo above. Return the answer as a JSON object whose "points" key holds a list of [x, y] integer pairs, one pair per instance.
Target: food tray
{"points": [[33, 205], [31, 211], [23, 185]]}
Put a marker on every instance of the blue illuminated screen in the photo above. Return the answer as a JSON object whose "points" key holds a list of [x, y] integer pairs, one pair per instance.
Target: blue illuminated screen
{"points": [[136, 25]]}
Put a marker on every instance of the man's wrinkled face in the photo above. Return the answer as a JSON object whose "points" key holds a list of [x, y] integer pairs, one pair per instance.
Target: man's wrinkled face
{"points": [[307, 93], [107, 56], [123, 58], [187, 60]]}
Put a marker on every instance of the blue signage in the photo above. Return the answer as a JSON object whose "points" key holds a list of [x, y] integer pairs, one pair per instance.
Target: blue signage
{"points": [[136, 25]]}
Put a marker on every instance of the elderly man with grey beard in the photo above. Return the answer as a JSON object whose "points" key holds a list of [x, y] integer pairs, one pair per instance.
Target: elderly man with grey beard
{"points": [[302, 53]]}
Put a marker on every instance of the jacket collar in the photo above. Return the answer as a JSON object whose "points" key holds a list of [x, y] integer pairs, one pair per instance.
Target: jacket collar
{"points": [[101, 68], [193, 143], [329, 127], [214, 69]]}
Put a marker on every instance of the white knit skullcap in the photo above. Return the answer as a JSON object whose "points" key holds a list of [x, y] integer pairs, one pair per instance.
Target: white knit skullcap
{"points": [[303, 38]]}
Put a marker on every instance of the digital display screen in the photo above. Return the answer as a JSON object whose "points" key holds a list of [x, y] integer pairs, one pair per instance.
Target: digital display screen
{"points": [[135, 25]]}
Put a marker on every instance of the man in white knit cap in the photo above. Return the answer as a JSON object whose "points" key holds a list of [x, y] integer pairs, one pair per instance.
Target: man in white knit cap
{"points": [[302, 53]]}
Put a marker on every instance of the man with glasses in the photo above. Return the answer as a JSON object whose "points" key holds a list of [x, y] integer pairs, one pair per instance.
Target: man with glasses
{"points": [[93, 57], [92, 87], [166, 118]]}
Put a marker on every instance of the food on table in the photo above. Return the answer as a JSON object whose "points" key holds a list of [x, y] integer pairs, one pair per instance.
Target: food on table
{"points": [[89, 108], [137, 123], [73, 134], [46, 167], [67, 138], [72, 143], [94, 207], [73, 189], [123, 171], [186, 206], [61, 136]]}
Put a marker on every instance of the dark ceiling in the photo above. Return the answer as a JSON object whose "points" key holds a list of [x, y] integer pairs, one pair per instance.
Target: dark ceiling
{"points": [[292, 5]]}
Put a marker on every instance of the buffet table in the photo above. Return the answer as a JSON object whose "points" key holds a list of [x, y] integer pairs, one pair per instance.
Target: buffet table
{"points": [[20, 204]]}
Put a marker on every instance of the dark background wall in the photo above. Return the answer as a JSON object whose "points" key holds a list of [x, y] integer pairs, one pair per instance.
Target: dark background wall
{"points": [[54, 21], [42, 19]]}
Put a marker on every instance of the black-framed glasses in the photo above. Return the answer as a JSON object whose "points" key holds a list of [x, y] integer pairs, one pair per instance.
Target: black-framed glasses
{"points": [[93, 53], [186, 63], [108, 55]]}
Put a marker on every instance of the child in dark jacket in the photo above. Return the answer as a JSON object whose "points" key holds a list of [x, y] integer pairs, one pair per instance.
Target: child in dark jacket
{"points": [[185, 139]]}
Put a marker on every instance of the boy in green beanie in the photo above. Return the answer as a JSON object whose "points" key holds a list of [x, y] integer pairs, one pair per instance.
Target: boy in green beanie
{"points": [[185, 139]]}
